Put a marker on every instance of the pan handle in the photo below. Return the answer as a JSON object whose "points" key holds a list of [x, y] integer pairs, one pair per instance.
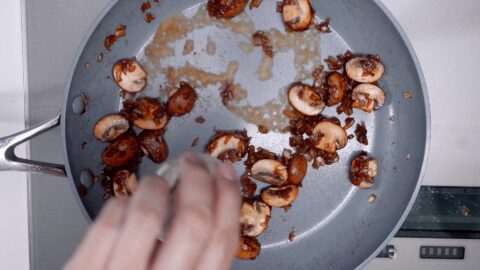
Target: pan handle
{"points": [[10, 162]]}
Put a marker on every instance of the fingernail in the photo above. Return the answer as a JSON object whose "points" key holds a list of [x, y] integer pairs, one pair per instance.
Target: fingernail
{"points": [[227, 172], [194, 159]]}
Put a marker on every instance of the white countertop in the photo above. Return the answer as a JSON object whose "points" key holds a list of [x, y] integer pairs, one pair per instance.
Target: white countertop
{"points": [[444, 33], [13, 194]]}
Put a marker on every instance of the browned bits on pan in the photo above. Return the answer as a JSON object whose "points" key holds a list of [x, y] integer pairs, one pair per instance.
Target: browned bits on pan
{"points": [[279, 6], [228, 145], [297, 14], [351, 136], [372, 198], [254, 4], [200, 120], [156, 1], [324, 26], [248, 248], [181, 100], [263, 129], [291, 235], [248, 187], [280, 196], [407, 95], [256, 155], [225, 9], [195, 142], [261, 39], [349, 122], [100, 58], [297, 169], [121, 151], [363, 169], [87, 65], [83, 145], [361, 133], [153, 145], [335, 90], [110, 39], [145, 6], [82, 190], [149, 17]]}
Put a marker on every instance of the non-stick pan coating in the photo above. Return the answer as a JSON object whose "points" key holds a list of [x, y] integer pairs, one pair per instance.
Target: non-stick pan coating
{"points": [[335, 226]]}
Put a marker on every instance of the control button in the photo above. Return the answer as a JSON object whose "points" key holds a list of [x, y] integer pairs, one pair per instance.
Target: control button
{"points": [[442, 252]]}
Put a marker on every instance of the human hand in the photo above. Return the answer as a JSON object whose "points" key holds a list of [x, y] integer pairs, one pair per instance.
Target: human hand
{"points": [[204, 233]]}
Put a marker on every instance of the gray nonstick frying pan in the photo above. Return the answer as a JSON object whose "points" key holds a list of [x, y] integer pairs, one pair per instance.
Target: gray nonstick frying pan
{"points": [[335, 226]]}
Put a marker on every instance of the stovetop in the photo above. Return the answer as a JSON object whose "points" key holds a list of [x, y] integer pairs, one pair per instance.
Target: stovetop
{"points": [[445, 42]]}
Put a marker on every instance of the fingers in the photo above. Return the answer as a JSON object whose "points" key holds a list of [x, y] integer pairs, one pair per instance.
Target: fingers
{"points": [[95, 250], [143, 223], [223, 244], [193, 222]]}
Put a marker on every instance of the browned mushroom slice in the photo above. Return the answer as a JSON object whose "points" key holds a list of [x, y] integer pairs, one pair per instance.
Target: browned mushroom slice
{"points": [[110, 127], [225, 8], [129, 75], [181, 100], [363, 169], [329, 137], [304, 99], [124, 183], [248, 248], [153, 116], [153, 145], [336, 88], [368, 97], [231, 146], [270, 171], [280, 196], [122, 150], [297, 14], [297, 169], [254, 218], [364, 69]]}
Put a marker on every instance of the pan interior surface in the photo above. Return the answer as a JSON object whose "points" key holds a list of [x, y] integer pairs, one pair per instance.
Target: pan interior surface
{"points": [[334, 224]]}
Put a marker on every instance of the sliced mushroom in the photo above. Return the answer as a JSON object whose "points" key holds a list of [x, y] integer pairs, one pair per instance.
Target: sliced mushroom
{"points": [[110, 127], [225, 9], [363, 169], [153, 145], [231, 146], [181, 100], [364, 69], [153, 116], [297, 169], [129, 75], [329, 137], [122, 150], [280, 196], [368, 97], [124, 183], [304, 99], [254, 218], [248, 248], [336, 89], [297, 14], [270, 171]]}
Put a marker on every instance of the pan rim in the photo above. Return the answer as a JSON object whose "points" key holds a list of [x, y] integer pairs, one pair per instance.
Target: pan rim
{"points": [[397, 27], [426, 151]]}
